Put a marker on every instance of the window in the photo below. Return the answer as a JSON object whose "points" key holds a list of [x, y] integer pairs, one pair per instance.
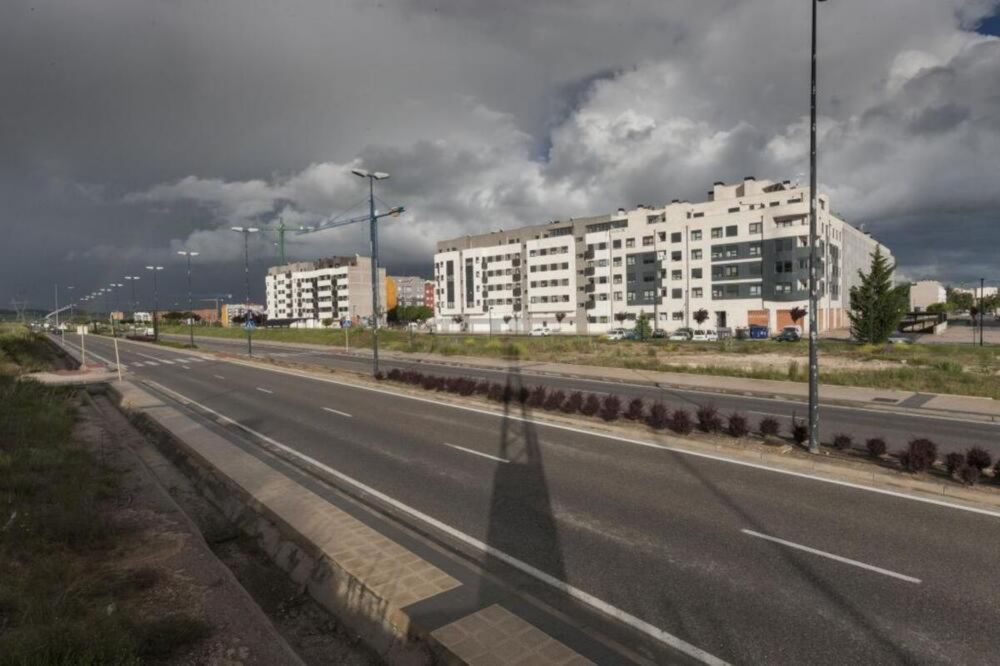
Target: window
{"points": [[618, 295], [732, 290], [732, 252], [629, 242], [755, 290], [695, 255], [615, 244], [775, 203], [698, 215], [717, 232], [678, 316], [676, 256], [677, 293], [697, 292], [734, 210], [696, 273], [754, 269], [630, 260], [676, 275], [756, 228], [731, 271], [696, 234], [716, 252], [647, 241], [732, 230], [753, 250], [675, 237], [783, 288], [716, 292]]}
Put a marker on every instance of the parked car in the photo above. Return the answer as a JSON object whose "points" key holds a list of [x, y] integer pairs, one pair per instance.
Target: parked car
{"points": [[658, 334], [789, 334], [681, 335], [616, 334], [540, 331], [900, 339], [701, 335]]}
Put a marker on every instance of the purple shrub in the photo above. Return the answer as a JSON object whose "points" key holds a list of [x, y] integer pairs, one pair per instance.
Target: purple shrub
{"points": [[522, 393], [681, 422], [769, 426], [876, 447], [978, 458], [996, 472], [379, 376], [496, 392], [953, 462], [537, 396], [573, 403], [483, 387], [799, 432], [709, 419], [554, 401], [842, 441], [659, 416], [635, 410], [737, 425], [969, 474], [591, 405], [919, 455], [611, 408], [395, 374]]}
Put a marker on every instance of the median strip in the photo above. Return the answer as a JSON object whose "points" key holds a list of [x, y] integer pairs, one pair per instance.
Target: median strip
{"points": [[831, 556]]}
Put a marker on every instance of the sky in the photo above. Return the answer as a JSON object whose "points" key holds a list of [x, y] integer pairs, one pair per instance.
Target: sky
{"points": [[132, 129]]}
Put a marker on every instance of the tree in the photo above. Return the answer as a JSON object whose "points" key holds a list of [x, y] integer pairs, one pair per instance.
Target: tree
{"points": [[700, 316], [940, 308], [642, 326], [404, 314], [959, 300], [797, 314], [877, 306]]}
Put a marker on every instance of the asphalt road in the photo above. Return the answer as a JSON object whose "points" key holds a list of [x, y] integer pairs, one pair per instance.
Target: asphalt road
{"points": [[956, 433], [749, 565]]}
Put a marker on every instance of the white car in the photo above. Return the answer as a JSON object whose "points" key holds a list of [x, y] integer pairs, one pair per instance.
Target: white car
{"points": [[540, 331], [616, 334], [705, 336], [681, 335]]}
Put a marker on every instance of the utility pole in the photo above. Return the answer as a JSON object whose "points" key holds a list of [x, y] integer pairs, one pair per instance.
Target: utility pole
{"points": [[57, 307], [156, 303], [982, 308], [373, 222], [189, 254], [813, 300], [246, 231]]}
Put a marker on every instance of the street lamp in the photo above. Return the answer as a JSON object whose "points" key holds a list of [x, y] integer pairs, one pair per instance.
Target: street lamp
{"points": [[156, 303], [132, 279], [246, 231], [813, 300], [189, 254], [372, 176], [111, 316]]}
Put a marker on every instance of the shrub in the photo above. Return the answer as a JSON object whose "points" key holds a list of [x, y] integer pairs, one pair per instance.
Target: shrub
{"points": [[659, 416], [635, 410], [919, 456], [611, 407], [554, 401], [395, 374], [537, 396], [413, 377], [573, 403], [737, 425], [709, 419], [468, 386], [996, 472], [876, 447], [799, 432], [969, 474], [591, 405], [842, 441], [681, 422], [953, 461], [978, 458], [769, 426], [429, 382], [483, 387], [452, 384], [497, 392], [379, 376]]}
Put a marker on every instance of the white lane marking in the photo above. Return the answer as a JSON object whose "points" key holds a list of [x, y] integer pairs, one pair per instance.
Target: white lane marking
{"points": [[186, 367], [264, 390], [777, 416], [91, 353], [166, 362], [337, 411], [574, 592], [155, 358], [637, 442], [152, 363], [193, 360], [831, 556], [476, 453], [138, 364], [216, 376]]}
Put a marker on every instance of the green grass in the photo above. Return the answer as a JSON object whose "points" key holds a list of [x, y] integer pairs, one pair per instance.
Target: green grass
{"points": [[21, 350], [938, 368]]}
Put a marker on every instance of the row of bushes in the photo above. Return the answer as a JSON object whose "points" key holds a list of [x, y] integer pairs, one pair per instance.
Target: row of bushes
{"points": [[920, 454]]}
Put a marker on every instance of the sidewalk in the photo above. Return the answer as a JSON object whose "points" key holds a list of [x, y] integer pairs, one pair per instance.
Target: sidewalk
{"points": [[829, 394]]}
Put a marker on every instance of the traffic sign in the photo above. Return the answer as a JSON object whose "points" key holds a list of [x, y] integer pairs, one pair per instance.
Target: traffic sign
{"points": [[249, 325]]}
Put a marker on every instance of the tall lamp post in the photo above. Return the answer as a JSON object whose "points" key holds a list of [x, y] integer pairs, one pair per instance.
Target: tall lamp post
{"points": [[372, 176], [132, 279], [156, 303], [246, 231], [189, 254], [813, 299], [112, 287]]}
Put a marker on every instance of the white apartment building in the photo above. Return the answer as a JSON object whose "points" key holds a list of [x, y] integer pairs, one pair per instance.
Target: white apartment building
{"points": [[409, 290], [741, 257], [336, 289], [924, 293]]}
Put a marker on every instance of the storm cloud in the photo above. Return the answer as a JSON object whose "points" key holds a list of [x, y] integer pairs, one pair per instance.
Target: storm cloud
{"points": [[129, 130]]}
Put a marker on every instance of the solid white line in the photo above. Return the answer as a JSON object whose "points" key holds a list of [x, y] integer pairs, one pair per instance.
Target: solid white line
{"points": [[476, 453], [186, 367], [637, 442], [337, 411], [264, 390], [216, 376], [166, 362], [838, 558], [574, 592]]}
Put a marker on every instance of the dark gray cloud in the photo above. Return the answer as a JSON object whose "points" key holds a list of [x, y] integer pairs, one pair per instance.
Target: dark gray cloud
{"points": [[129, 130]]}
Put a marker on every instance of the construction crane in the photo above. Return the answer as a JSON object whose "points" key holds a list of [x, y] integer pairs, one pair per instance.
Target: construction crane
{"points": [[334, 223]]}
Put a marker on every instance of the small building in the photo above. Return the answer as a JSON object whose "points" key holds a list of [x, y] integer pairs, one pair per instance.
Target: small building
{"points": [[333, 290], [925, 293]]}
